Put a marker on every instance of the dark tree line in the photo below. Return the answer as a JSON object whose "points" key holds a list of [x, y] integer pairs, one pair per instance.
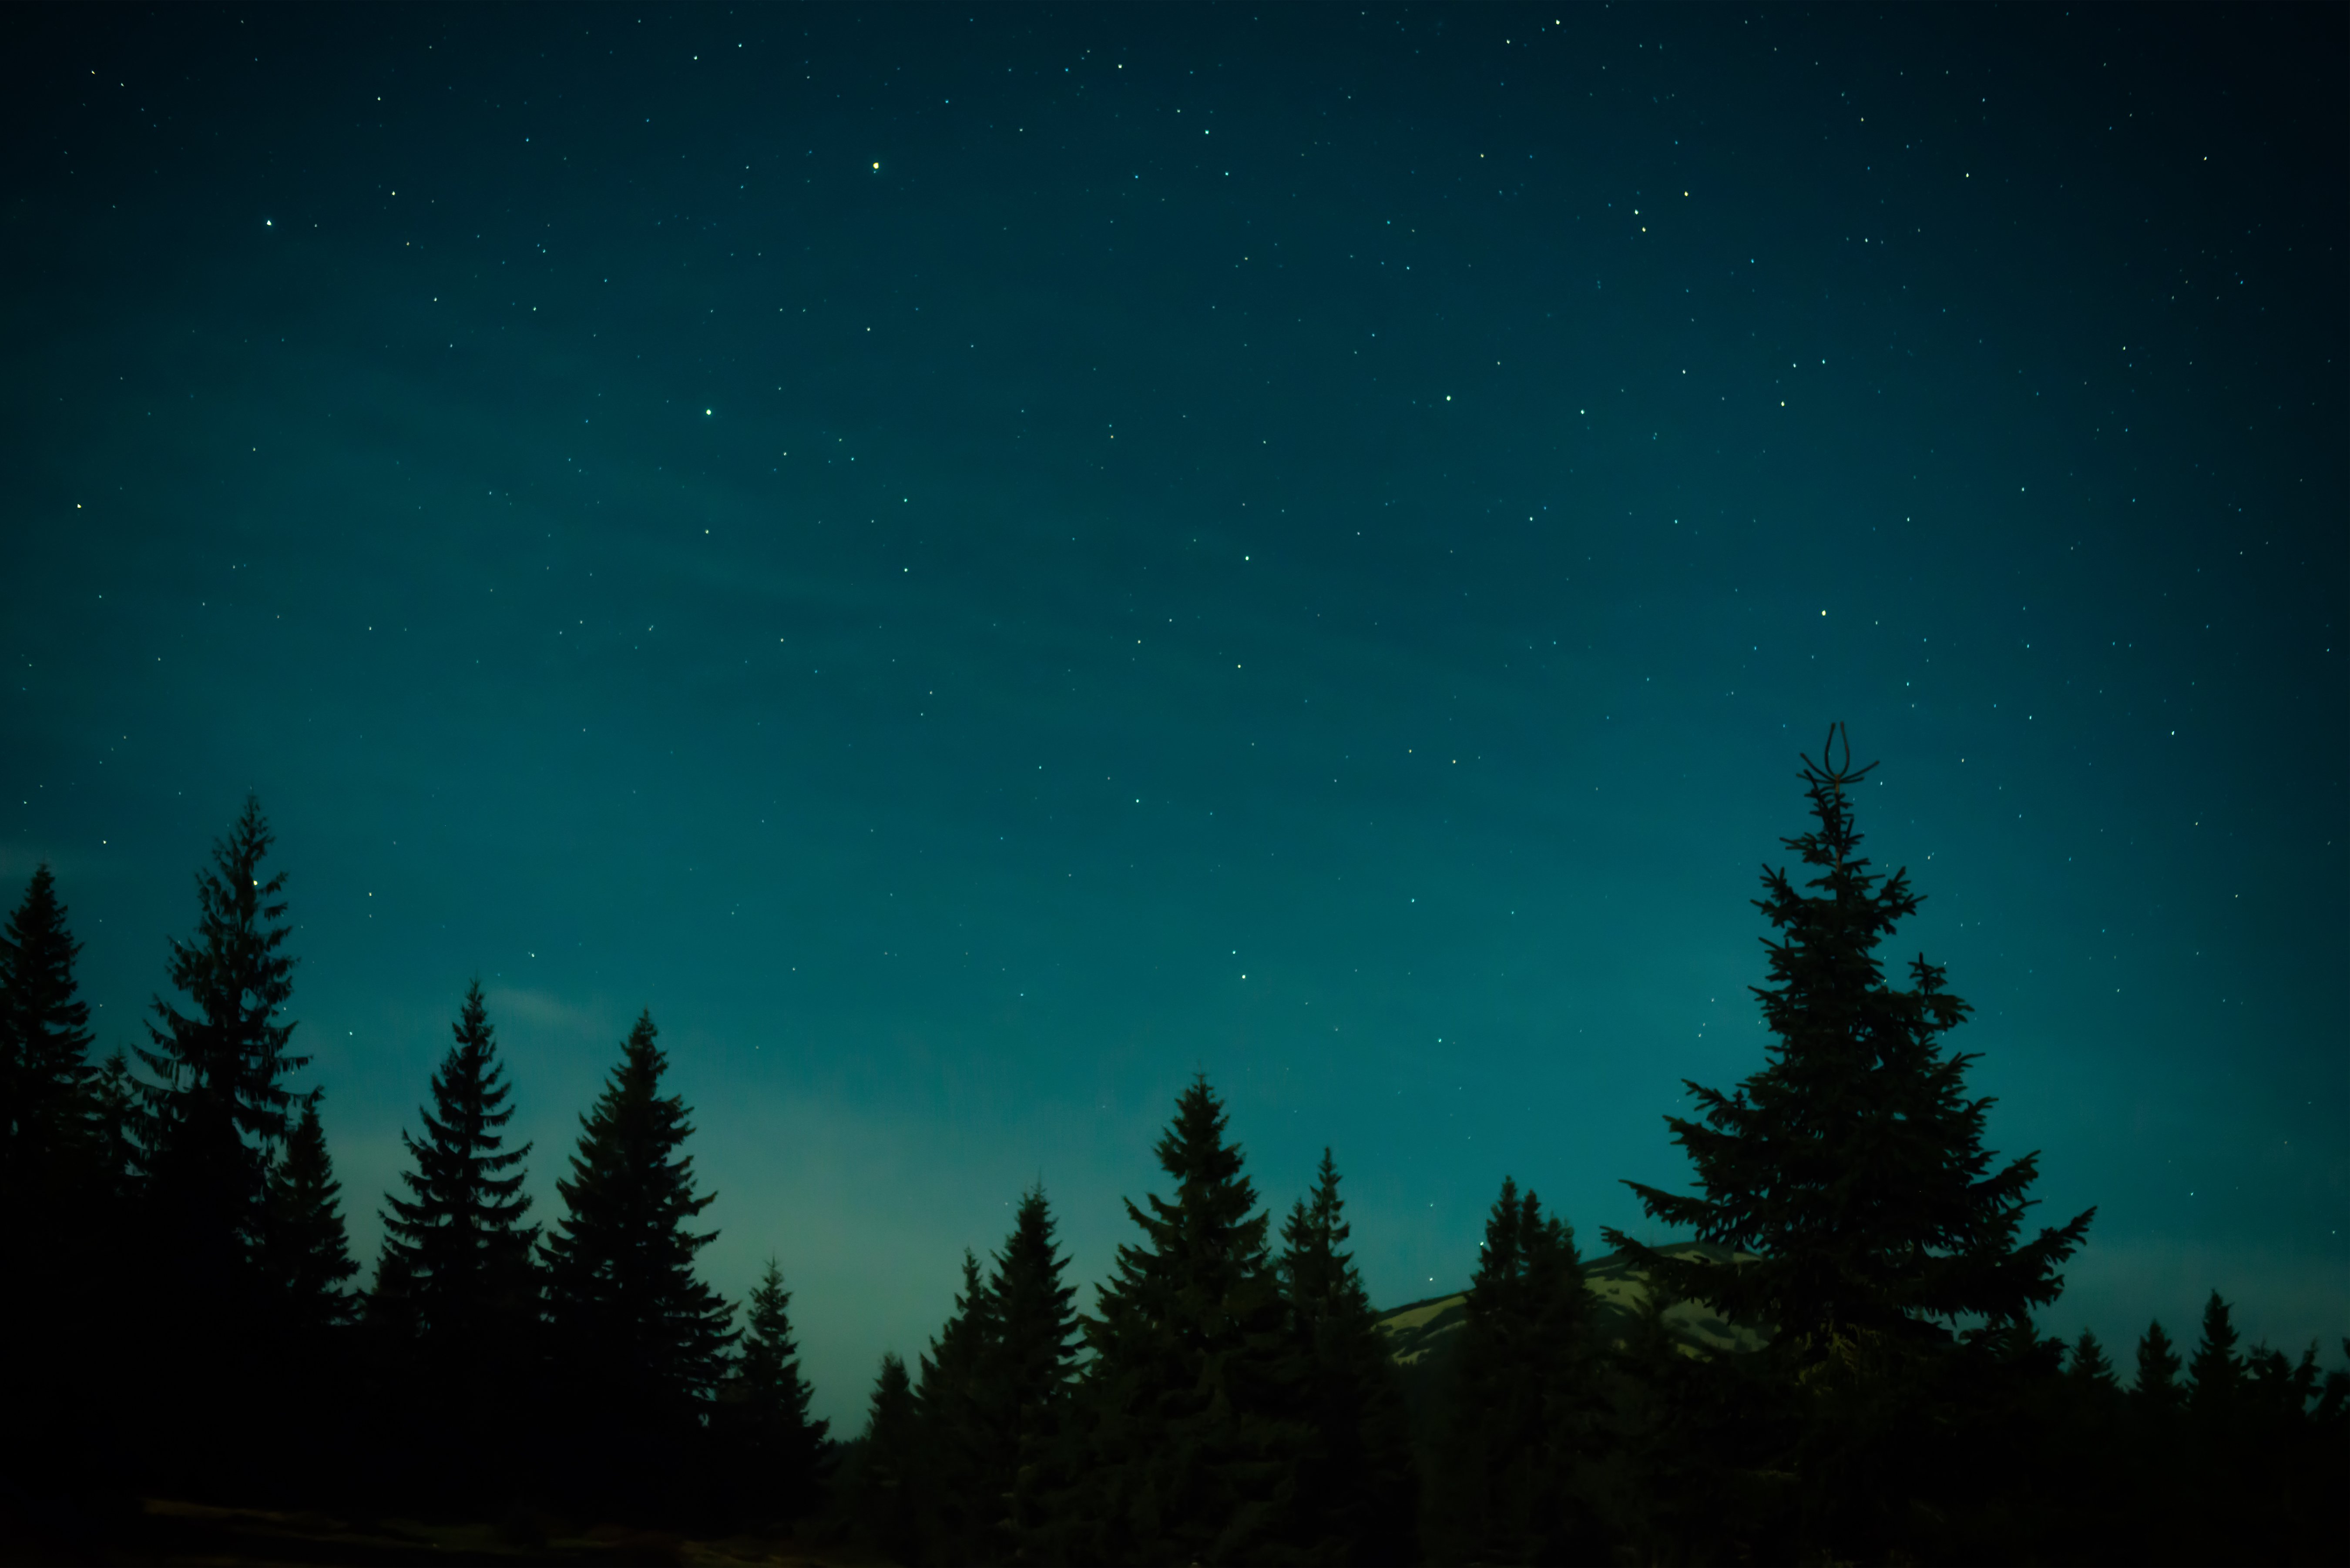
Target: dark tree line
{"points": [[185, 1321], [192, 1326]]}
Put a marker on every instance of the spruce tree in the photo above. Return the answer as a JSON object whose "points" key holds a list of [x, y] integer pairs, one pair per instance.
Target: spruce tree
{"points": [[2157, 1393], [2089, 1368], [64, 1317], [1026, 1378], [305, 1255], [46, 1076], [1525, 1403], [764, 1410], [1357, 1490], [639, 1334], [457, 1267], [2215, 1375], [1853, 1162], [961, 1509], [885, 1488], [219, 1107], [1187, 1403], [116, 1109]]}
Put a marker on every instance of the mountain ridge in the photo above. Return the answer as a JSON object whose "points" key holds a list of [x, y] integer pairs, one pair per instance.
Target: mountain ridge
{"points": [[1423, 1330]]}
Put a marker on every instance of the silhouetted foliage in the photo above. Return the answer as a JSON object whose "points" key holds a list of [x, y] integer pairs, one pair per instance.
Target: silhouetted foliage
{"points": [[456, 1245], [1357, 1489], [2156, 1393], [885, 1483], [1186, 1406], [455, 1305], [1852, 1163], [219, 1105], [2089, 1368], [958, 1511], [61, 1219], [304, 1254], [1024, 1381], [775, 1446], [2216, 1374], [47, 1112], [641, 1340], [1525, 1398], [207, 1130], [1234, 1406]]}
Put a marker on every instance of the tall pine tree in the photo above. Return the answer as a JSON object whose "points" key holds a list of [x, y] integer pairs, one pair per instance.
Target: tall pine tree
{"points": [[63, 1323], [1025, 1379], [640, 1336], [1853, 1162], [1357, 1494], [1524, 1401], [885, 1487], [218, 1108], [777, 1447], [1188, 1402], [304, 1256], [457, 1270], [2216, 1373], [2089, 1368], [959, 1513], [2156, 1393], [46, 1110]]}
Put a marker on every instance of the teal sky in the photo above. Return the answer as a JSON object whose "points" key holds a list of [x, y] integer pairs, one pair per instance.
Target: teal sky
{"points": [[978, 563]]}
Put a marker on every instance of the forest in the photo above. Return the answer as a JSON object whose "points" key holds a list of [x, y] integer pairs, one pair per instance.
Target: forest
{"points": [[198, 1368]]}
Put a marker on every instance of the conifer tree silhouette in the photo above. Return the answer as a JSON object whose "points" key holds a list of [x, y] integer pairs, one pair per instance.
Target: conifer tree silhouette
{"points": [[305, 1254], [762, 1406], [64, 1317], [1525, 1403], [2089, 1368], [1853, 1162], [637, 1330], [1186, 1406], [2216, 1373], [116, 1111], [219, 1107], [1026, 1378], [1358, 1492], [885, 1488], [46, 1112], [960, 1512], [457, 1273], [208, 1126], [2156, 1393]]}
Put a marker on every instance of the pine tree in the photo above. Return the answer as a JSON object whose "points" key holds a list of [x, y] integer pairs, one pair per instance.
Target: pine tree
{"points": [[115, 1115], [1186, 1404], [45, 1077], [1525, 1402], [304, 1253], [885, 1490], [765, 1407], [456, 1267], [63, 1317], [638, 1332], [1026, 1378], [2216, 1374], [2157, 1393], [1358, 1492], [213, 1118], [1852, 1163], [961, 1511], [2089, 1368]]}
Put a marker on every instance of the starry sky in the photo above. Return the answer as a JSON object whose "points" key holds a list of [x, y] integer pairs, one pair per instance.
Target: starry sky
{"points": [[979, 563]]}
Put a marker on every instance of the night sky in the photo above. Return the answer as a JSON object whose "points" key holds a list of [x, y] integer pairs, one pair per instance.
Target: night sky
{"points": [[981, 564]]}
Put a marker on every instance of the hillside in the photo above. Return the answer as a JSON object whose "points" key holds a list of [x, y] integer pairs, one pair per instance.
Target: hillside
{"points": [[1419, 1330]]}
